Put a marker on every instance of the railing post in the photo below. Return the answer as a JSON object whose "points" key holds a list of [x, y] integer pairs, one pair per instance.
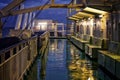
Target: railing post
{"points": [[19, 18], [2, 58]]}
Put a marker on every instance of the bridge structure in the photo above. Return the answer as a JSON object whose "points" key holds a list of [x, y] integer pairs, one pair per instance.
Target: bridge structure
{"points": [[10, 10]]}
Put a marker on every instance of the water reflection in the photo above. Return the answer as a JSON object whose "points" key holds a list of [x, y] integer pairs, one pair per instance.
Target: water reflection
{"points": [[38, 69], [79, 67], [43, 65], [56, 65], [56, 45], [63, 61]]}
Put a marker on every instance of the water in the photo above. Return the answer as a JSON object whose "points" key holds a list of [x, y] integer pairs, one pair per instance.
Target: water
{"points": [[63, 61]]}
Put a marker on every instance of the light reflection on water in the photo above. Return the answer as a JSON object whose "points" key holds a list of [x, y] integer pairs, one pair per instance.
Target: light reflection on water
{"points": [[56, 65], [79, 67], [63, 62]]}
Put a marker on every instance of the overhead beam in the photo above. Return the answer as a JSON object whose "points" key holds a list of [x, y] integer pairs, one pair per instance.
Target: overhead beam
{"points": [[6, 11], [79, 17], [10, 6], [72, 18], [67, 6], [15, 12]]}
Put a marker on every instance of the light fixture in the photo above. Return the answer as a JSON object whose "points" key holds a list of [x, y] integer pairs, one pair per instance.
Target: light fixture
{"points": [[100, 16], [75, 16], [84, 14], [72, 18], [89, 18], [94, 10], [42, 25]]}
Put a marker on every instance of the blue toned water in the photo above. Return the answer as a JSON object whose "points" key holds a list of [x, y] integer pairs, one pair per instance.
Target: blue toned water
{"points": [[63, 61]]}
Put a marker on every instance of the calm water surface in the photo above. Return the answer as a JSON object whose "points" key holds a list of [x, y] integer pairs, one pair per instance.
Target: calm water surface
{"points": [[63, 61]]}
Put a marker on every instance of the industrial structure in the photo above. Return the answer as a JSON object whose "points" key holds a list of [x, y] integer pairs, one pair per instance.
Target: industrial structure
{"points": [[93, 26]]}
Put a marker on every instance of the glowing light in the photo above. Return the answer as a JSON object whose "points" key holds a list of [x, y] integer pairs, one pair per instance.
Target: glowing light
{"points": [[42, 25], [89, 18], [75, 16], [94, 10], [72, 18], [84, 14], [100, 16]]}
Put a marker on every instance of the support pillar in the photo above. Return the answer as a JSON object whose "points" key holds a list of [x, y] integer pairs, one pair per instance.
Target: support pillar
{"points": [[19, 19], [32, 23], [62, 30], [25, 21], [55, 32], [29, 20]]}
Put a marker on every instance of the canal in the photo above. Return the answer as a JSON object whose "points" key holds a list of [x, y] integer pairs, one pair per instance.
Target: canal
{"points": [[63, 61]]}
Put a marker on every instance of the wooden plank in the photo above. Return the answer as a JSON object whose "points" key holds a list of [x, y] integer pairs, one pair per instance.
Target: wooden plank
{"points": [[13, 4]]}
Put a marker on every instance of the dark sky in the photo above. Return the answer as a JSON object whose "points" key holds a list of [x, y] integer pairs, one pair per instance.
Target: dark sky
{"points": [[54, 14]]}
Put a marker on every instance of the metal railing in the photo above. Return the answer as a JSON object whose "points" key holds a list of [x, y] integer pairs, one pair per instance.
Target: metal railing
{"points": [[15, 60]]}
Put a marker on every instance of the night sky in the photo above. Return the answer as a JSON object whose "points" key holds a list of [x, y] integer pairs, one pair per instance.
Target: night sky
{"points": [[54, 14]]}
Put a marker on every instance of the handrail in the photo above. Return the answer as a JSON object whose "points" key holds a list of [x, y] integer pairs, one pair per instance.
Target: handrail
{"points": [[2, 52], [43, 41], [16, 59]]}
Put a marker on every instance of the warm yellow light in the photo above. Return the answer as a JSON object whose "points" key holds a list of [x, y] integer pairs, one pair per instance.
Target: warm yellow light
{"points": [[72, 18], [83, 14], [94, 10], [100, 16], [42, 25], [75, 16]]}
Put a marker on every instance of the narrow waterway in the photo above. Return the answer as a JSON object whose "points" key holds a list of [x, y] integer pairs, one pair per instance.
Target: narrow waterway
{"points": [[63, 61]]}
